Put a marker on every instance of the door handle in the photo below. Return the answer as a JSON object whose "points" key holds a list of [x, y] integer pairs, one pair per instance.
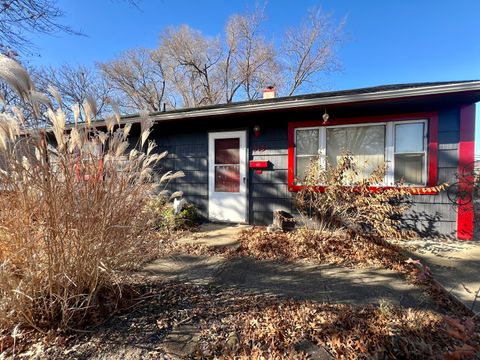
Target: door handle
{"points": [[244, 179]]}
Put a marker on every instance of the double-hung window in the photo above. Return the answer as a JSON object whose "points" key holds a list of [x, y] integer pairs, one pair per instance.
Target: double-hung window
{"points": [[401, 145], [409, 162], [307, 149]]}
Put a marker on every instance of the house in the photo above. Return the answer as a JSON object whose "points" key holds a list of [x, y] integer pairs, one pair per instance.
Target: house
{"points": [[241, 159]]}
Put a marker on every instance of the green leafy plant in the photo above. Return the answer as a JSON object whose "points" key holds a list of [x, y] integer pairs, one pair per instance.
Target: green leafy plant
{"points": [[164, 217]]}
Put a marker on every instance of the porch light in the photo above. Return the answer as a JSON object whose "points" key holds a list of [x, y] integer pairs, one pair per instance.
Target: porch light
{"points": [[256, 130], [325, 118]]}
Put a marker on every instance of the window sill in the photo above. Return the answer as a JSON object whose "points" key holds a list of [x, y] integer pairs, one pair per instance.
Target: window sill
{"points": [[414, 190]]}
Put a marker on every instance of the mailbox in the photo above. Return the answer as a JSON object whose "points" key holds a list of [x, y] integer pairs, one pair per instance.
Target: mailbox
{"points": [[258, 164]]}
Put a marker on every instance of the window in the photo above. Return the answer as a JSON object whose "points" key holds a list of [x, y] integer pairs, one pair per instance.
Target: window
{"points": [[365, 143], [307, 149], [227, 168], [409, 159], [401, 144]]}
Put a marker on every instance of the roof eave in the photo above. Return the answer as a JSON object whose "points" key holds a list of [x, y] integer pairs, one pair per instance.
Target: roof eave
{"points": [[296, 103], [303, 103]]}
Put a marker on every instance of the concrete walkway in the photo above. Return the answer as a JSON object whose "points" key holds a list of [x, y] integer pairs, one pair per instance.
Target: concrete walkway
{"points": [[321, 283], [300, 280], [454, 264], [213, 234]]}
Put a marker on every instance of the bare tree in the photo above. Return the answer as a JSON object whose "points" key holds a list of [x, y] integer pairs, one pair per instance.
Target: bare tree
{"points": [[310, 49], [18, 18], [250, 63], [75, 84], [188, 69], [137, 78], [193, 64]]}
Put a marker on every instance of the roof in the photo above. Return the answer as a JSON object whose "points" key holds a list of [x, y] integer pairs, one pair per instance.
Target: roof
{"points": [[367, 94]]}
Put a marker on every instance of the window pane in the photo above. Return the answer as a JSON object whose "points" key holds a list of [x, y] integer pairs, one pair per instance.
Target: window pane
{"points": [[302, 164], [409, 137], [227, 151], [365, 143], [409, 168], [227, 178], [307, 142]]}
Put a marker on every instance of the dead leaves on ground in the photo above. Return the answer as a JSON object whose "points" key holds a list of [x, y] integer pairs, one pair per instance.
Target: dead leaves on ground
{"points": [[252, 326], [234, 324], [325, 247]]}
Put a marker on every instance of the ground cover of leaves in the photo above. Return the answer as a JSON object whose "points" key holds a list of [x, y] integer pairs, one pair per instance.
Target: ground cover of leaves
{"points": [[233, 324], [325, 247], [340, 247]]}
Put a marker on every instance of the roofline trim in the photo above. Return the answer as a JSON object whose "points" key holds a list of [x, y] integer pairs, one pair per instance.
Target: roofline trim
{"points": [[341, 99], [302, 103]]}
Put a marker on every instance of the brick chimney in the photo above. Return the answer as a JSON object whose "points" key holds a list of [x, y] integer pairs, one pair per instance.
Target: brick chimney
{"points": [[269, 92]]}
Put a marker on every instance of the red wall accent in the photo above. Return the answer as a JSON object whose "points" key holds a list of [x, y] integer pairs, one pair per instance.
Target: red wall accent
{"points": [[466, 153], [291, 155], [432, 152]]}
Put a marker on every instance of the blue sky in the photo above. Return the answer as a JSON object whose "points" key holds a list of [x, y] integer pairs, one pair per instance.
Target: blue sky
{"points": [[387, 41]]}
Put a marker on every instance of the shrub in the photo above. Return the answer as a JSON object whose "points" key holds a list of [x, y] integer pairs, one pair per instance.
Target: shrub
{"points": [[335, 196], [71, 208], [164, 217]]}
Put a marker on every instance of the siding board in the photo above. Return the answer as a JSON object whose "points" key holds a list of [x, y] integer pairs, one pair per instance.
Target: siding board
{"points": [[447, 158], [450, 138], [449, 120]]}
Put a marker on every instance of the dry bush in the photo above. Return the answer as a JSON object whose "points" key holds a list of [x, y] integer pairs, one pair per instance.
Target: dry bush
{"points": [[337, 197], [71, 209]]}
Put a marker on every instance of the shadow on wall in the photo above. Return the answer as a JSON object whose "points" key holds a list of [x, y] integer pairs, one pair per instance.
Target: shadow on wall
{"points": [[426, 225]]}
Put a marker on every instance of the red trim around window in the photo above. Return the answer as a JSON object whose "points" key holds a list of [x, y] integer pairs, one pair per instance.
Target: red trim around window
{"points": [[466, 154], [432, 152]]}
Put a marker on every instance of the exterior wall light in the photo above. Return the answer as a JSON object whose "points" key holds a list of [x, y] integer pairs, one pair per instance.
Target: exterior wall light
{"points": [[325, 118], [256, 130]]}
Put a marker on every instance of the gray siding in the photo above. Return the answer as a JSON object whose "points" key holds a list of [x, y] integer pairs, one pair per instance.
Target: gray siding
{"points": [[268, 191], [187, 151], [434, 215]]}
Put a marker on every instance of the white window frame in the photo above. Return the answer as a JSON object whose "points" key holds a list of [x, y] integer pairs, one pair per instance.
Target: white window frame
{"points": [[389, 146], [424, 152]]}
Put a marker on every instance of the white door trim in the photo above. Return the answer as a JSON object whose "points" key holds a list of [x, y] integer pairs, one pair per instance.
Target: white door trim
{"points": [[228, 206]]}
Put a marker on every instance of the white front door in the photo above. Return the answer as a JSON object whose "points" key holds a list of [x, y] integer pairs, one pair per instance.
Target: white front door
{"points": [[227, 176]]}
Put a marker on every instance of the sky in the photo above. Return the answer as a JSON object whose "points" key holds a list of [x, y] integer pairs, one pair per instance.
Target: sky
{"points": [[386, 41]]}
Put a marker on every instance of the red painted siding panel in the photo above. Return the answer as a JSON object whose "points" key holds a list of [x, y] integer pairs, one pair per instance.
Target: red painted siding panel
{"points": [[466, 152], [433, 150]]}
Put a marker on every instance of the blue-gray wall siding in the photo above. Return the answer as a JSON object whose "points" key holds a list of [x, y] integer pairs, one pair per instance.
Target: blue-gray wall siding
{"points": [[269, 190], [188, 151], [435, 215]]}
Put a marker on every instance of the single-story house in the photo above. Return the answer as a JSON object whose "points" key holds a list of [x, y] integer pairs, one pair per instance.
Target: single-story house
{"points": [[241, 160]]}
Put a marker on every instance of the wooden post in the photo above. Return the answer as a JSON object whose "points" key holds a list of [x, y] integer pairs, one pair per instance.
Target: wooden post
{"points": [[283, 220]]}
